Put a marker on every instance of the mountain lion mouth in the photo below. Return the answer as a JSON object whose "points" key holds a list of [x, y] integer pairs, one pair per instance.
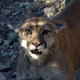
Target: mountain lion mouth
{"points": [[36, 51]]}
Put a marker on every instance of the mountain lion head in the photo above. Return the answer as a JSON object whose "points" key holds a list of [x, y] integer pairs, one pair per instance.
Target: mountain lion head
{"points": [[37, 36]]}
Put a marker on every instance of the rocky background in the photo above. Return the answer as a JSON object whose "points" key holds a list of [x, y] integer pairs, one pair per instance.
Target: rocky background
{"points": [[12, 14]]}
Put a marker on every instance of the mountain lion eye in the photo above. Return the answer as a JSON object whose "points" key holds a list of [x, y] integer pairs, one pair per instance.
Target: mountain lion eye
{"points": [[45, 32], [28, 31]]}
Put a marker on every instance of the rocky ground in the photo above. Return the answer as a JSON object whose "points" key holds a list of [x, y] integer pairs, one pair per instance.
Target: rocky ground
{"points": [[12, 13]]}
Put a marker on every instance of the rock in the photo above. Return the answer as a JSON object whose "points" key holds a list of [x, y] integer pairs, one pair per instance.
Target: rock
{"points": [[6, 12], [2, 77], [13, 57], [1, 16], [2, 23], [5, 67], [1, 40], [30, 0], [49, 11], [57, 5], [14, 75], [27, 5], [5, 46], [49, 1], [77, 74], [21, 4], [3, 53], [11, 17], [11, 53], [15, 13], [11, 7]]}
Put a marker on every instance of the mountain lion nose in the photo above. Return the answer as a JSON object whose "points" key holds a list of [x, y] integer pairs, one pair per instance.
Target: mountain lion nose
{"points": [[36, 44]]}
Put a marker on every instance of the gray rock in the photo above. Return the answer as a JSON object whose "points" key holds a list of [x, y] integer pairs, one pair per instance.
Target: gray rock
{"points": [[77, 73], [2, 77], [49, 11], [14, 74], [1, 40], [2, 23], [11, 53], [13, 57], [21, 4], [27, 5], [3, 53], [15, 13], [6, 12], [4, 67], [11, 7]]}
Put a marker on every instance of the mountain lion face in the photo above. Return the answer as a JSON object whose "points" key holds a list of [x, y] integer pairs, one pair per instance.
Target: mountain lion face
{"points": [[37, 36]]}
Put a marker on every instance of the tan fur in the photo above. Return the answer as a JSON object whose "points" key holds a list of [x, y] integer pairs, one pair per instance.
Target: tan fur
{"points": [[71, 16], [61, 57]]}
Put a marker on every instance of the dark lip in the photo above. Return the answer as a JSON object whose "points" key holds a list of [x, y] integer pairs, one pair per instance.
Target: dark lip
{"points": [[36, 51]]}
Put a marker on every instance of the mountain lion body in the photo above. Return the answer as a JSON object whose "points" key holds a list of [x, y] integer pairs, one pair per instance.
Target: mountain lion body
{"points": [[50, 50]]}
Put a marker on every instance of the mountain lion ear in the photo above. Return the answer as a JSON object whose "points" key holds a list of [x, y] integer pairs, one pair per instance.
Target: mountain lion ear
{"points": [[12, 28], [60, 26]]}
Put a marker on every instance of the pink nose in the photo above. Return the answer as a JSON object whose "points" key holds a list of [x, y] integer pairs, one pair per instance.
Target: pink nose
{"points": [[36, 43]]}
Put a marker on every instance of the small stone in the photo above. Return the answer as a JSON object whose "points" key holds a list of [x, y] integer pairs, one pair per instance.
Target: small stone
{"points": [[5, 67], [3, 53], [11, 17], [57, 5], [2, 23], [27, 5], [6, 42], [21, 5], [49, 11], [13, 57], [6, 12], [2, 77], [11, 53], [14, 74], [1, 40], [15, 13], [11, 7]]}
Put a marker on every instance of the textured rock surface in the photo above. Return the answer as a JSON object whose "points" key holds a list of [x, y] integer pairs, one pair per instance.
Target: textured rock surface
{"points": [[2, 77]]}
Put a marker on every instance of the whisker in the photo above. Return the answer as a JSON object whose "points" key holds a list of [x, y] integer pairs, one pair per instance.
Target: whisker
{"points": [[50, 52], [46, 51], [57, 50], [20, 51]]}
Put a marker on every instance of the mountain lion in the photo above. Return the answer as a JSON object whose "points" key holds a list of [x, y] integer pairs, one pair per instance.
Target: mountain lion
{"points": [[50, 49]]}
